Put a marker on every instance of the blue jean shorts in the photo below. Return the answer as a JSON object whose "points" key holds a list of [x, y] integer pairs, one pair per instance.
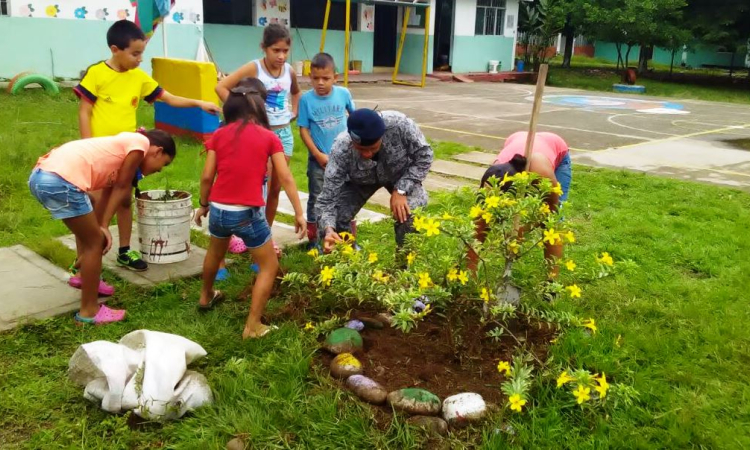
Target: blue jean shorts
{"points": [[249, 225], [287, 139], [564, 175], [62, 199]]}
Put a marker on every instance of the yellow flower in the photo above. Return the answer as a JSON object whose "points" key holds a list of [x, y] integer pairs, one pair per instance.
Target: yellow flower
{"points": [[475, 212], [379, 276], [347, 249], [507, 202], [487, 217], [570, 237], [424, 280], [432, 227], [513, 247], [523, 176], [346, 236], [574, 290], [463, 277], [516, 402], [506, 179], [373, 258], [504, 366], [557, 189], [485, 295], [524, 213], [418, 223], [603, 386], [544, 209], [452, 274], [314, 253], [591, 325], [564, 378], [326, 275], [582, 394], [309, 326], [605, 259], [447, 216], [492, 202], [570, 265], [410, 258], [551, 236]]}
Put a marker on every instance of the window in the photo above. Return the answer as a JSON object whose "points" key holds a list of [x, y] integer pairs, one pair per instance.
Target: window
{"points": [[4, 8], [227, 12], [309, 14], [490, 17]]}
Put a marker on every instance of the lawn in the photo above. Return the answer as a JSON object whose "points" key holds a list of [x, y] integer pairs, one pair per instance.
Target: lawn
{"points": [[674, 327]]}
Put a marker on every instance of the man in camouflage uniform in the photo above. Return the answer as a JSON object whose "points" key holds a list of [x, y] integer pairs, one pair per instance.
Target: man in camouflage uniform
{"points": [[381, 149]]}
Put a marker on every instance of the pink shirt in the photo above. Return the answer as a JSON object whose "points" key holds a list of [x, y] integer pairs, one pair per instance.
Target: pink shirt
{"points": [[548, 144], [93, 164]]}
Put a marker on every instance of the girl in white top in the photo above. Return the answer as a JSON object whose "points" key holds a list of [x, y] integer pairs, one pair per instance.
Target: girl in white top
{"points": [[283, 96]]}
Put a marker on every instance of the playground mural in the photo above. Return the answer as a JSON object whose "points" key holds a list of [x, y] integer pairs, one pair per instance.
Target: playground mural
{"points": [[185, 11], [599, 103], [272, 11]]}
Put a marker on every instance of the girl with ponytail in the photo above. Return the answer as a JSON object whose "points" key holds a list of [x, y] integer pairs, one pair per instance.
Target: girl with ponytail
{"points": [[550, 158], [231, 189]]}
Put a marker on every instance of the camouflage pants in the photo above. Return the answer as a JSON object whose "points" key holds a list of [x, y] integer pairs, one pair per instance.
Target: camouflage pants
{"points": [[353, 197]]}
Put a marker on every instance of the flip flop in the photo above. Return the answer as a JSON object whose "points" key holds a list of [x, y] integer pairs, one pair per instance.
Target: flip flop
{"points": [[217, 298], [265, 332]]}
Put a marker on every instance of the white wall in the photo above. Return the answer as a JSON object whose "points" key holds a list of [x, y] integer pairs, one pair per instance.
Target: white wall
{"points": [[464, 17]]}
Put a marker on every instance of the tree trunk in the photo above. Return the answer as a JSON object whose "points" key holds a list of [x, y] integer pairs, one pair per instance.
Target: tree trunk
{"points": [[618, 46], [627, 56], [569, 32], [671, 64], [643, 61]]}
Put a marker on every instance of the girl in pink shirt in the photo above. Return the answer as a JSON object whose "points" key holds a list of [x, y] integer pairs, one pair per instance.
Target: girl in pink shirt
{"points": [[550, 158], [62, 180]]}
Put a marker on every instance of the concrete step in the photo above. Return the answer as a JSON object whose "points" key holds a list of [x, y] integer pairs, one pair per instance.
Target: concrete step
{"points": [[365, 215], [483, 158], [435, 182], [457, 169]]}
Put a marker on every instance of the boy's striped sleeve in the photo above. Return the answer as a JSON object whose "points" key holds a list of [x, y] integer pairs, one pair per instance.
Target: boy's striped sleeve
{"points": [[86, 89]]}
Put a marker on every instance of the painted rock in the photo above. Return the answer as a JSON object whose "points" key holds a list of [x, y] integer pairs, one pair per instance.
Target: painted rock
{"points": [[415, 401], [343, 340], [355, 325], [385, 318], [369, 322], [418, 306], [367, 389], [435, 426], [463, 408], [236, 444], [345, 365]]}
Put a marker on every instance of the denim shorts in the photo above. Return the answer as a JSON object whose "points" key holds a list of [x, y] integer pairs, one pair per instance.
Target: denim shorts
{"points": [[315, 177], [287, 139], [62, 199], [564, 175], [249, 225]]}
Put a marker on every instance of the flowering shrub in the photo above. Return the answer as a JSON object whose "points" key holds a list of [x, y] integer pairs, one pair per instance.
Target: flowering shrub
{"points": [[510, 278]]}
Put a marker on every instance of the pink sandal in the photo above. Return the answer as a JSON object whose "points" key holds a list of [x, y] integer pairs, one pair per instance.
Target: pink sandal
{"points": [[236, 245], [104, 316], [105, 290]]}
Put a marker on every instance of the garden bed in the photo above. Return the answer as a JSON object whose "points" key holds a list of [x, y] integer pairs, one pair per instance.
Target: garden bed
{"points": [[444, 358]]}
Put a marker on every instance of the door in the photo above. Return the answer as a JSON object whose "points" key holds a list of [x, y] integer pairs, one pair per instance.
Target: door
{"points": [[443, 34], [386, 17]]}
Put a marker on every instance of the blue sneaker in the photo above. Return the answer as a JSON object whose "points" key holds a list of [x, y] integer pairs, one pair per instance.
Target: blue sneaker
{"points": [[222, 274], [255, 268]]}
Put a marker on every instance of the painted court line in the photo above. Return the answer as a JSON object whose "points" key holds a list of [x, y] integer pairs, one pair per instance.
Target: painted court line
{"points": [[611, 119], [489, 136], [684, 136]]}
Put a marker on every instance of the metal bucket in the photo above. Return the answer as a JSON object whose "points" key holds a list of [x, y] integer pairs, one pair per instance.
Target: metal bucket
{"points": [[164, 226]]}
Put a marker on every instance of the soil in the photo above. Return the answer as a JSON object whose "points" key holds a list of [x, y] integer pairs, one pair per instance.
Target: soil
{"points": [[171, 195], [429, 357]]}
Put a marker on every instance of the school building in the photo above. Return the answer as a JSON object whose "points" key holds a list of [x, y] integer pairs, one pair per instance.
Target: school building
{"points": [[62, 37]]}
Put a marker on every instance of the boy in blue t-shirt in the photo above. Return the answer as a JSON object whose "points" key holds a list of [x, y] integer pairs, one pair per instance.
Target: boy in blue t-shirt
{"points": [[322, 116]]}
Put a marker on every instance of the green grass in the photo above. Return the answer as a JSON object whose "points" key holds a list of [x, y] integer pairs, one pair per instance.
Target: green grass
{"points": [[682, 317]]}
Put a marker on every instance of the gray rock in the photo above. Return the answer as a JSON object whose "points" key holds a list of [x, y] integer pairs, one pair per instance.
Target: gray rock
{"points": [[355, 325], [371, 323], [367, 389], [435, 426], [461, 409], [385, 318], [236, 444], [345, 365], [418, 402], [343, 340]]}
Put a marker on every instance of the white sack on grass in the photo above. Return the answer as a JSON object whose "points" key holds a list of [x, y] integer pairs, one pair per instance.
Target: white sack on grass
{"points": [[146, 372]]}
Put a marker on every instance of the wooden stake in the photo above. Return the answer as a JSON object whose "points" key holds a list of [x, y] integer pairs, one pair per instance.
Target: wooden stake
{"points": [[538, 96]]}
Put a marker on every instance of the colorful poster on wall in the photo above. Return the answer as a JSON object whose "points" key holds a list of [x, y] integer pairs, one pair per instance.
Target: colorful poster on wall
{"points": [[184, 11], [367, 19], [272, 11]]}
